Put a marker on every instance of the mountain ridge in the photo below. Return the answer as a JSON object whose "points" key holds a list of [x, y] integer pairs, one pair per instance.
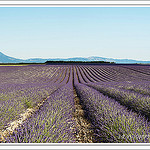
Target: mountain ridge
{"points": [[7, 59]]}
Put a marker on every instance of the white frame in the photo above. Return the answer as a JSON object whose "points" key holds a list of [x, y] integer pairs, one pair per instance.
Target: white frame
{"points": [[75, 4]]}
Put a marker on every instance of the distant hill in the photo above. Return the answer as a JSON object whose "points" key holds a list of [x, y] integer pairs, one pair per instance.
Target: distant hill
{"points": [[7, 59]]}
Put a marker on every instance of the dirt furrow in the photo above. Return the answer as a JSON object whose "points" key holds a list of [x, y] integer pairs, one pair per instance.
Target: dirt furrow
{"points": [[84, 133]]}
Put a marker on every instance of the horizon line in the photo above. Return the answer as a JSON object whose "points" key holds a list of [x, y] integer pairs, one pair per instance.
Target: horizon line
{"points": [[75, 57]]}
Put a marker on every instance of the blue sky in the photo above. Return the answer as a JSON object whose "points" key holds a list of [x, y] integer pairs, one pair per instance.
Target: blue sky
{"points": [[52, 32]]}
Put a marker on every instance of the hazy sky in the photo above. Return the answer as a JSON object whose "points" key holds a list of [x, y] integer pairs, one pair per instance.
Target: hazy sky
{"points": [[64, 32]]}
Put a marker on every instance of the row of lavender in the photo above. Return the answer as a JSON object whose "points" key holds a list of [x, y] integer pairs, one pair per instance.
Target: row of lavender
{"points": [[24, 87], [139, 103], [119, 111], [53, 123]]}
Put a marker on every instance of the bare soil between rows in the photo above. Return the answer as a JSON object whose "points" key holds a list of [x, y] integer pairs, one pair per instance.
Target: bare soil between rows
{"points": [[84, 129]]}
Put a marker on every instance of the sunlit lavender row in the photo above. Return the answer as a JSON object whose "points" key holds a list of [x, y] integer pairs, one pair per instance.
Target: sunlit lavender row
{"points": [[133, 100]]}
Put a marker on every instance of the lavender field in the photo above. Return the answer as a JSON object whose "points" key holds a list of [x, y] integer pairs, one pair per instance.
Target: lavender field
{"points": [[75, 104]]}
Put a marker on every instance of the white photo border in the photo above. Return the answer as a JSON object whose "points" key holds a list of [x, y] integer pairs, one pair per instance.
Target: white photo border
{"points": [[74, 3]]}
